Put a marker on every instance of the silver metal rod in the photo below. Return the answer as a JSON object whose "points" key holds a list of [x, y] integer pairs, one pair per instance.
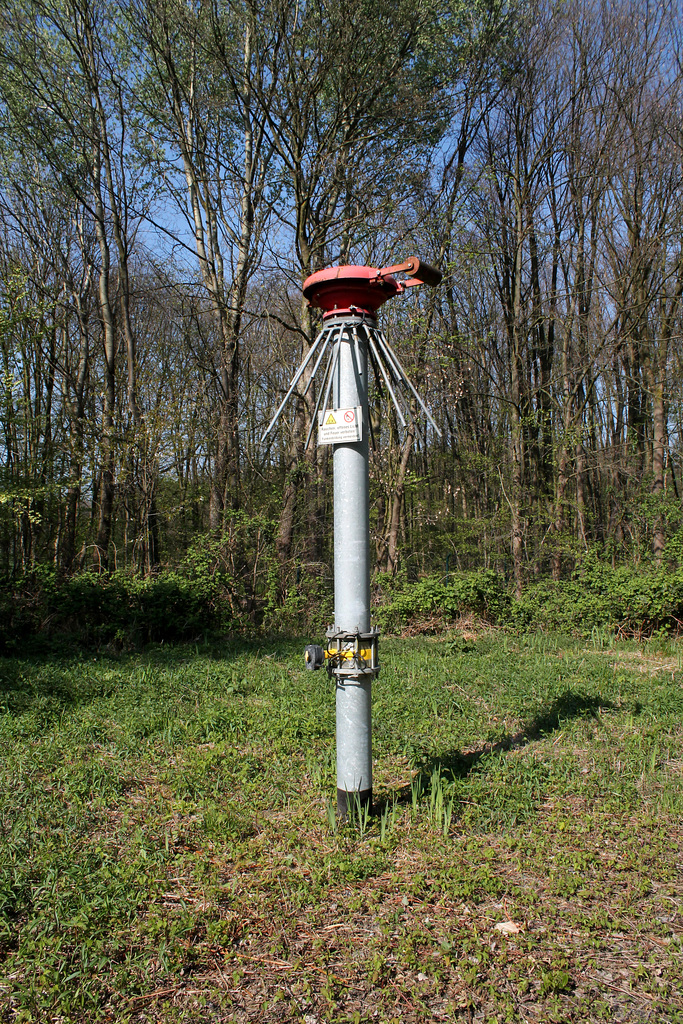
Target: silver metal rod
{"points": [[389, 357], [320, 395], [385, 346], [295, 381], [318, 361], [405, 379], [335, 363], [385, 375], [356, 360]]}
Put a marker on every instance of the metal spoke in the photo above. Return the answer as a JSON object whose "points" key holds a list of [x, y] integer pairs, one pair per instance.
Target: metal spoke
{"points": [[330, 380], [385, 375], [295, 381], [406, 379], [321, 354], [355, 359], [320, 395], [389, 358]]}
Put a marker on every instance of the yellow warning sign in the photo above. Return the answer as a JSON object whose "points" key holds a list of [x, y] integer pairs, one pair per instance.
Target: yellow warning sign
{"points": [[330, 421]]}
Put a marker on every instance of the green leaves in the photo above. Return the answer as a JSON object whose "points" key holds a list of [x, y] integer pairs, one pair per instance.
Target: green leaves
{"points": [[483, 593], [623, 600]]}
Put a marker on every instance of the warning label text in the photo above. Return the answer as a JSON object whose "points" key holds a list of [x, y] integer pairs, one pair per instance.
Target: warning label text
{"points": [[340, 426]]}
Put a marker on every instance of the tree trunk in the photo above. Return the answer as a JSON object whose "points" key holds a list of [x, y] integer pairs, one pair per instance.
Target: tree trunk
{"points": [[107, 490], [301, 467], [560, 517], [517, 452], [659, 446], [398, 500]]}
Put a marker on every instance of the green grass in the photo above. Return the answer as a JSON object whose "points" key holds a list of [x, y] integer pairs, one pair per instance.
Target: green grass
{"points": [[168, 849]]}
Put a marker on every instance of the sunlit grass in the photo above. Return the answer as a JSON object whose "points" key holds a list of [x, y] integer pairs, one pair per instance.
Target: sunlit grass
{"points": [[169, 850]]}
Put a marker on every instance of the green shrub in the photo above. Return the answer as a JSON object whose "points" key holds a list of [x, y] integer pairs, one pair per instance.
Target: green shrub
{"points": [[633, 601], [117, 609], [482, 593], [202, 598]]}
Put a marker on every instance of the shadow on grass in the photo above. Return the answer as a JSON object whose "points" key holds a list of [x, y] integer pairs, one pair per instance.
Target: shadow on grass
{"points": [[459, 764]]}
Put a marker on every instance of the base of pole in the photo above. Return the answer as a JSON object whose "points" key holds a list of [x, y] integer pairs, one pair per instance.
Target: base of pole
{"points": [[356, 800]]}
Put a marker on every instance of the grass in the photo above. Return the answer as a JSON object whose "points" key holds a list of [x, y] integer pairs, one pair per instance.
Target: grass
{"points": [[168, 849]]}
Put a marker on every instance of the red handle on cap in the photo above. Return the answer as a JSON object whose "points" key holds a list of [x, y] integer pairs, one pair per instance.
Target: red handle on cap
{"points": [[421, 273]]}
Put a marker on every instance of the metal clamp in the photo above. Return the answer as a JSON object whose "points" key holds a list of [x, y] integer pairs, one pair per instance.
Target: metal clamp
{"points": [[352, 654]]}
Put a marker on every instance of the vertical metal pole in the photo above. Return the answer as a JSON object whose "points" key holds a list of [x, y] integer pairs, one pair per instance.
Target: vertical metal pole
{"points": [[352, 573]]}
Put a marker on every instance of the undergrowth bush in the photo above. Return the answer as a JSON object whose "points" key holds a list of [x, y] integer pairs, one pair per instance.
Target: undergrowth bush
{"points": [[483, 593], [626, 600], [117, 609], [629, 601], [201, 599], [304, 606]]}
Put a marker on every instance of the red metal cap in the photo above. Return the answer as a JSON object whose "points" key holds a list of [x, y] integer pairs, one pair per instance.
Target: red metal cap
{"points": [[346, 289], [349, 289]]}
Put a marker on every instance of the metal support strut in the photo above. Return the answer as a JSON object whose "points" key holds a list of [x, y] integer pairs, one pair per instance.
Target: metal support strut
{"points": [[388, 371]]}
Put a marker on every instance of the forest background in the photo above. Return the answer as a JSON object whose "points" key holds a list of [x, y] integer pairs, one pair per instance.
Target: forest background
{"points": [[172, 172]]}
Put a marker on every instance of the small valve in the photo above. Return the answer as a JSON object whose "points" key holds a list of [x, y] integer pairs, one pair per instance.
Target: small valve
{"points": [[314, 656]]}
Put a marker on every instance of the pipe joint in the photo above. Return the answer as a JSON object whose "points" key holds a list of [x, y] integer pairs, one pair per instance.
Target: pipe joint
{"points": [[352, 655]]}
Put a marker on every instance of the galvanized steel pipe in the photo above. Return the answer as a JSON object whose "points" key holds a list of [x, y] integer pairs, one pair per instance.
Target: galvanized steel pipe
{"points": [[352, 569]]}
